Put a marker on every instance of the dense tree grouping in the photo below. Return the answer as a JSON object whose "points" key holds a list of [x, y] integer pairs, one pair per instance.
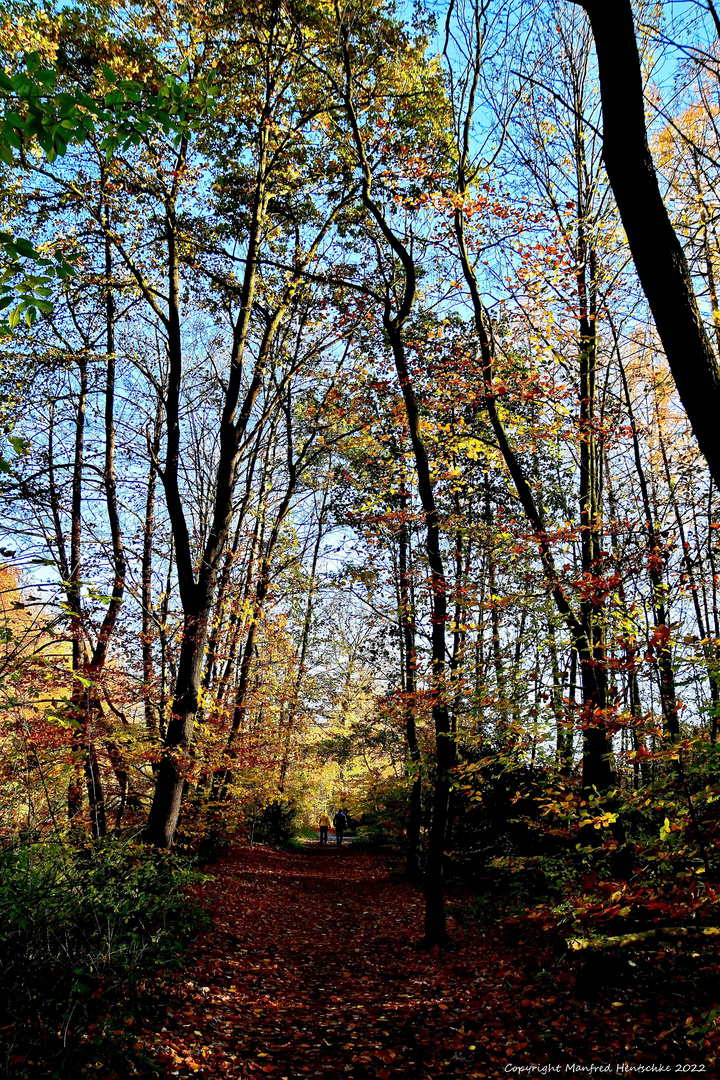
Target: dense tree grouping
{"points": [[360, 376]]}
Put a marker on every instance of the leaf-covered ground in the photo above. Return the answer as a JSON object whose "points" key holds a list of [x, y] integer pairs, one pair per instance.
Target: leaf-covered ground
{"points": [[312, 968]]}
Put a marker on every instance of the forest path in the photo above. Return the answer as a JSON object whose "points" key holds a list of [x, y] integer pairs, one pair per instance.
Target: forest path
{"points": [[311, 969]]}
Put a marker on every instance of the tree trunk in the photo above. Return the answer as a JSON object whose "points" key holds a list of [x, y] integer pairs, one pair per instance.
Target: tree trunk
{"points": [[153, 720], [197, 594], [394, 318], [668, 696], [708, 649], [597, 767], [289, 725], [435, 922], [656, 250], [407, 631]]}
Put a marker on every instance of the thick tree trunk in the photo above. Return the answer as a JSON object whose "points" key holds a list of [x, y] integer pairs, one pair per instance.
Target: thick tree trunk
{"points": [[170, 777], [435, 922], [197, 595], [658, 255], [597, 748]]}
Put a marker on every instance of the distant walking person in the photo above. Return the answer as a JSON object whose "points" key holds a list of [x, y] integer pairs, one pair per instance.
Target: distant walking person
{"points": [[324, 826], [340, 823]]}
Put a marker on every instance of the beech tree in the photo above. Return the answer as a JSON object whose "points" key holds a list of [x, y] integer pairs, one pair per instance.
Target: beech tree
{"points": [[657, 252], [347, 458]]}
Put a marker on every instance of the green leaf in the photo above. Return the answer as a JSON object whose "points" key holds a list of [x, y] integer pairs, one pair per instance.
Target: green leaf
{"points": [[24, 87], [32, 61], [33, 126], [46, 77], [65, 102], [14, 120], [12, 138]]}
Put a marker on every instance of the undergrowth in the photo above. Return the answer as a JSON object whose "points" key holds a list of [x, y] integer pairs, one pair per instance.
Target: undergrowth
{"points": [[80, 929]]}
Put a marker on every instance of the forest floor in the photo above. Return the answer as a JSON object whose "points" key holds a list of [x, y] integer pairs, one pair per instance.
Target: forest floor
{"points": [[311, 968]]}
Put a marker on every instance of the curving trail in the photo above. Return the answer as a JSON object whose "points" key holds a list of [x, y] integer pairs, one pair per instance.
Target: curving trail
{"points": [[311, 969]]}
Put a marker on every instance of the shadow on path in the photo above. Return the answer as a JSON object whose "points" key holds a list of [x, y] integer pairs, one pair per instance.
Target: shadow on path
{"points": [[311, 969]]}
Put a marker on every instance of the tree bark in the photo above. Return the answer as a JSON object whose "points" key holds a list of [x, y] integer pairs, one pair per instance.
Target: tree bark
{"points": [[598, 772], [394, 318], [407, 631], [197, 594], [289, 725], [153, 719], [668, 696], [656, 250]]}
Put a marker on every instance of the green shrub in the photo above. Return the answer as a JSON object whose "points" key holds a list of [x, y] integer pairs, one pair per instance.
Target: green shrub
{"points": [[380, 810], [277, 823], [78, 929]]}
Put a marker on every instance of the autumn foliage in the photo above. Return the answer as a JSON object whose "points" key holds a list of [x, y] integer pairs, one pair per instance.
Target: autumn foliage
{"points": [[346, 468]]}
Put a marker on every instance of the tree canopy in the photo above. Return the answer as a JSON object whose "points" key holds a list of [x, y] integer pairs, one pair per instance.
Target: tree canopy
{"points": [[359, 381]]}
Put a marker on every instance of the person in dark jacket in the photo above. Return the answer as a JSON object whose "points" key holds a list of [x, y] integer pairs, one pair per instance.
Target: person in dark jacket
{"points": [[340, 823]]}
